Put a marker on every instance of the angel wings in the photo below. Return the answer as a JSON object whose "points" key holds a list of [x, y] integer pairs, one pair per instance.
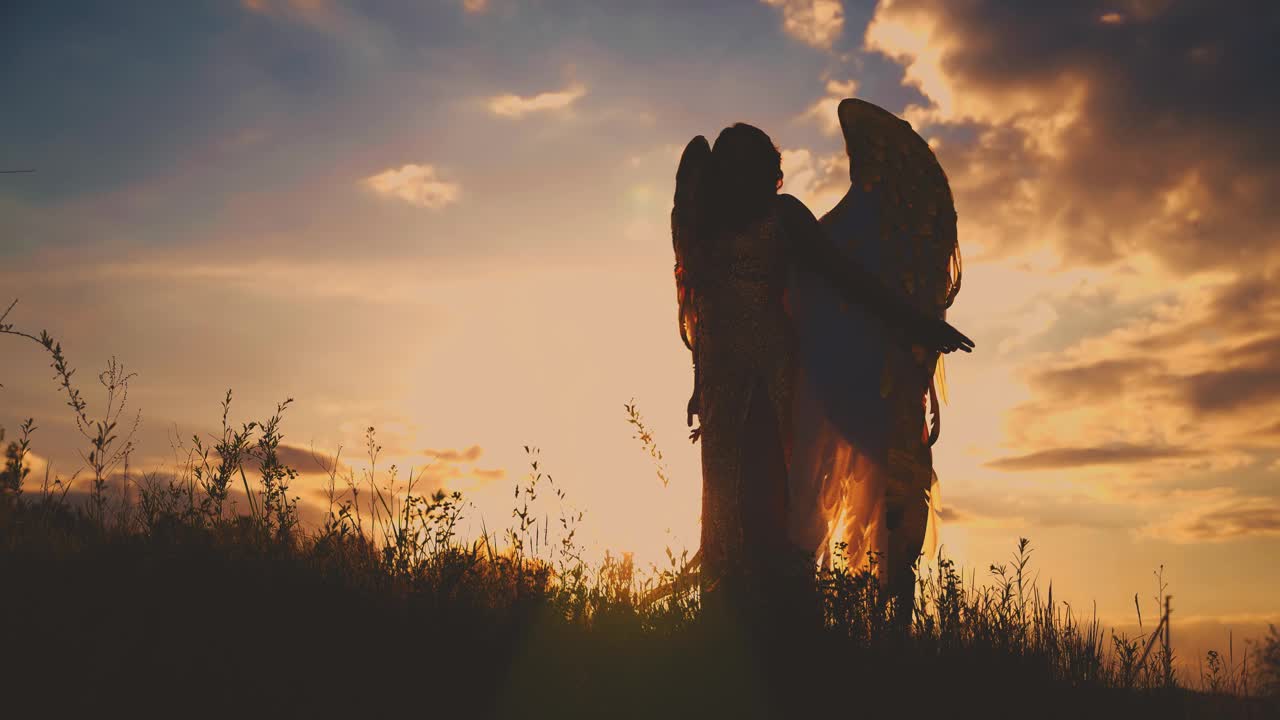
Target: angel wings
{"points": [[861, 470]]}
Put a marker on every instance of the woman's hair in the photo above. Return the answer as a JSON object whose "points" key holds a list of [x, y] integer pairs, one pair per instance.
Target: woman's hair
{"points": [[744, 175], [719, 190]]}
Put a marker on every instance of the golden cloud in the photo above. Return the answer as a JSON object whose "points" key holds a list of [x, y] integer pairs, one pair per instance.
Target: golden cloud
{"points": [[814, 22], [1117, 454], [417, 185], [320, 14], [1106, 152], [452, 455], [1159, 171], [825, 110], [1186, 385], [1220, 516], [819, 181], [516, 106]]}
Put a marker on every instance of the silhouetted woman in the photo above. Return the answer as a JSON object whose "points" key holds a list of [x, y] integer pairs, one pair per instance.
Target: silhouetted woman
{"points": [[737, 241]]}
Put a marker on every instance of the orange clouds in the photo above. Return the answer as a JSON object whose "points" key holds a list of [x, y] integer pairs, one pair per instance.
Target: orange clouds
{"points": [[818, 181], [1118, 454], [1197, 372], [418, 185], [451, 455], [1130, 150], [1121, 156], [824, 111], [317, 13], [814, 22], [516, 106], [1218, 517], [449, 464]]}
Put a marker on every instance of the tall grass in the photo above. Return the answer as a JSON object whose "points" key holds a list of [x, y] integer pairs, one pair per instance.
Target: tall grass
{"points": [[387, 578]]}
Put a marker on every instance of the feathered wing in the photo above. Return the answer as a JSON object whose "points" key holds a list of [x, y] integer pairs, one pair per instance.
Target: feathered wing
{"points": [[863, 404]]}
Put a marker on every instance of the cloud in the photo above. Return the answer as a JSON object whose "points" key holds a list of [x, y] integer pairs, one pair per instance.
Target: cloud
{"points": [[1036, 510], [1094, 380], [475, 6], [119, 489], [1197, 634], [1186, 373], [489, 474], [320, 14], [1146, 135], [448, 475], [451, 455], [1118, 454], [1220, 390], [288, 277], [1229, 518], [307, 461], [417, 185], [516, 106], [1129, 139], [825, 110], [819, 181], [449, 465], [814, 22]]}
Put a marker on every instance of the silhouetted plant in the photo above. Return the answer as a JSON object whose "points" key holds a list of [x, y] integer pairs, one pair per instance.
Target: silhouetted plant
{"points": [[215, 475], [388, 541], [1268, 665], [16, 470]]}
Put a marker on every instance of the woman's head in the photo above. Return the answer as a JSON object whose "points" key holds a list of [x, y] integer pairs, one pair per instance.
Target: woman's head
{"points": [[745, 174]]}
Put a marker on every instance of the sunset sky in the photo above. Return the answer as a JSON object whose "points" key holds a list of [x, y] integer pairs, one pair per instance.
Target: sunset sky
{"points": [[449, 220]]}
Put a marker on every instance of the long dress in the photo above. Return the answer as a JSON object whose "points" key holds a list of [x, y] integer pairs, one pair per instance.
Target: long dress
{"points": [[745, 358], [746, 352]]}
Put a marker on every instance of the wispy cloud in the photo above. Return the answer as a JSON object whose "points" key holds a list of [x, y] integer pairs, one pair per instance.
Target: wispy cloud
{"points": [[825, 110], [815, 22], [1228, 517], [1156, 369], [450, 465], [469, 455], [1036, 509], [515, 106], [317, 13], [1119, 454], [418, 185], [819, 181]]}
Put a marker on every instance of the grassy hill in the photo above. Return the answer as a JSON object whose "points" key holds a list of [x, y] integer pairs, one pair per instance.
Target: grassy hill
{"points": [[152, 594]]}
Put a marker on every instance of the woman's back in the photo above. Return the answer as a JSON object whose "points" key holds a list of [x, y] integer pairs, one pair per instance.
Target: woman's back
{"points": [[745, 356], [741, 312]]}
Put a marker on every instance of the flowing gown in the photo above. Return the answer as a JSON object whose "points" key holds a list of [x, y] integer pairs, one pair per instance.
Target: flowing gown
{"points": [[744, 353], [813, 421], [747, 355]]}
